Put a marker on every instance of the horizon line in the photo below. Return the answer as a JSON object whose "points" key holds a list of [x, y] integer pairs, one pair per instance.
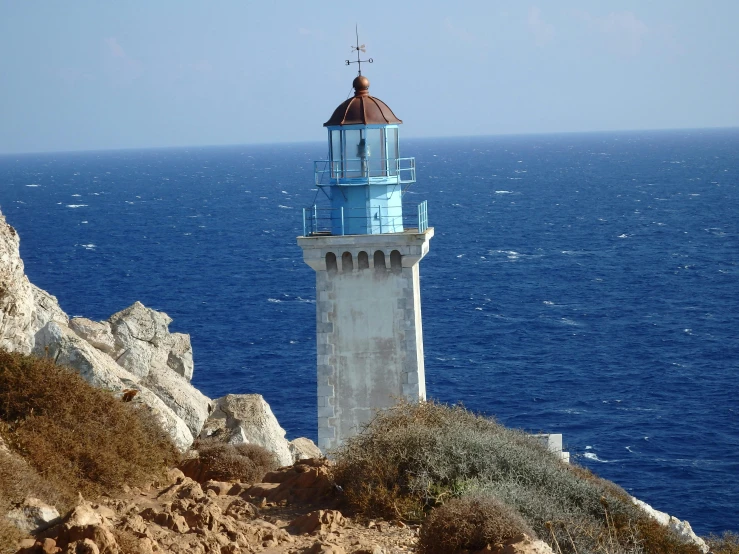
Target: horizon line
{"points": [[285, 143]]}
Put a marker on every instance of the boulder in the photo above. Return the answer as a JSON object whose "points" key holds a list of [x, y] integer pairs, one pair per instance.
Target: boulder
{"points": [[319, 521], [143, 340], [681, 528], [97, 333], [190, 405], [33, 515], [303, 449], [85, 526], [247, 418], [177, 429]]}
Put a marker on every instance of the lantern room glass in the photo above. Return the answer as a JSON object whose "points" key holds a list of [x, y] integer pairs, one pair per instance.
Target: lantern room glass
{"points": [[364, 152]]}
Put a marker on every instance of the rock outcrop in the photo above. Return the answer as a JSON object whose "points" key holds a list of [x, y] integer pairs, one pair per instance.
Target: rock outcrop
{"points": [[143, 341], [303, 449], [133, 350], [16, 294], [681, 528], [132, 354], [247, 418]]}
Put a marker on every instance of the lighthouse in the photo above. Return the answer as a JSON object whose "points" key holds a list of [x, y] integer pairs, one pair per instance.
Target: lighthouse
{"points": [[365, 241]]}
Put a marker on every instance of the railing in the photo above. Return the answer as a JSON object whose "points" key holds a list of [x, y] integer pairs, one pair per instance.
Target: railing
{"points": [[364, 221], [359, 171], [423, 217]]}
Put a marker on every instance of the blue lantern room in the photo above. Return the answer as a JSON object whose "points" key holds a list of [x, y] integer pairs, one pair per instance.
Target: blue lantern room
{"points": [[364, 179]]}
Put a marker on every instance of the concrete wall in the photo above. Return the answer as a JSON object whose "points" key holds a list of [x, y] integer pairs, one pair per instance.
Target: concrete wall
{"points": [[368, 323]]}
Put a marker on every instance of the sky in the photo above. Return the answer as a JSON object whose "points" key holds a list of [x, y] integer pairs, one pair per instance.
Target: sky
{"points": [[92, 75]]}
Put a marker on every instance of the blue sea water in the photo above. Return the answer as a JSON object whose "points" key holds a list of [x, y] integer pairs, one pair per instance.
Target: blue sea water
{"points": [[586, 284]]}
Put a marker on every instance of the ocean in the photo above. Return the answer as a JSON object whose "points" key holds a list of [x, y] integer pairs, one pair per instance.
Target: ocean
{"points": [[583, 284]]}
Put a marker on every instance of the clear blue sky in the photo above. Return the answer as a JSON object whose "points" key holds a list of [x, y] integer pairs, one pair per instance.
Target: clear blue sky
{"points": [[78, 75]]}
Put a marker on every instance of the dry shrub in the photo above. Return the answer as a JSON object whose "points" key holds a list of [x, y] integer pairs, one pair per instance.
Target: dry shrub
{"points": [[9, 537], [470, 523], [415, 456], [17, 481], [127, 542], [246, 463], [77, 437], [657, 539], [728, 543]]}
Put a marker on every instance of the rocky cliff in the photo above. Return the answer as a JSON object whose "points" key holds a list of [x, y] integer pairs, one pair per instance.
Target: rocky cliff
{"points": [[132, 354]]}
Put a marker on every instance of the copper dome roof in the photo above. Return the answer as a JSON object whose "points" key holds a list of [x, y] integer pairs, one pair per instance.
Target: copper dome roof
{"points": [[362, 109]]}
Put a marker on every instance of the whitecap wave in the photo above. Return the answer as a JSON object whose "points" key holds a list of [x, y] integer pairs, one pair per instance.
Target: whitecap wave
{"points": [[33, 185], [593, 456], [76, 205]]}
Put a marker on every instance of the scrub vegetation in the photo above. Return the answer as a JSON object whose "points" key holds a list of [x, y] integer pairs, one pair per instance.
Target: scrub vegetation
{"points": [[246, 463], [65, 437], [429, 463]]}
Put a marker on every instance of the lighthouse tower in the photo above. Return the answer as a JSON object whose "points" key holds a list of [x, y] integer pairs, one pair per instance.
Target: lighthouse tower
{"points": [[365, 242]]}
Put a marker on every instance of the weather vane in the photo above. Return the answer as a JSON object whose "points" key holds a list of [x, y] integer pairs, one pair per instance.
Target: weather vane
{"points": [[358, 48]]}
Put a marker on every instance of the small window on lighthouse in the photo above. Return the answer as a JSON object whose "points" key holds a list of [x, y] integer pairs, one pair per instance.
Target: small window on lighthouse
{"points": [[331, 265], [363, 260], [395, 261], [336, 162], [347, 265], [380, 260]]}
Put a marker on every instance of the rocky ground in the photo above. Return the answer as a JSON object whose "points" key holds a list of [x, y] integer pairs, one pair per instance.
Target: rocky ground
{"points": [[294, 511]]}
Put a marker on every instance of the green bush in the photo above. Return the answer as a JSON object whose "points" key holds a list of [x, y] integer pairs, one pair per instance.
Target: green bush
{"points": [[414, 457], [470, 523]]}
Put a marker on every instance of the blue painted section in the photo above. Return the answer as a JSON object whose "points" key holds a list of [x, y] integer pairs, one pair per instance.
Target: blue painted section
{"points": [[364, 179]]}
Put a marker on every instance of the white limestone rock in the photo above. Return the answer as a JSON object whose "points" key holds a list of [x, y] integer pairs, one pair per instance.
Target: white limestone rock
{"points": [[16, 294], [190, 405], [24, 308], [168, 420], [97, 333], [238, 418], [179, 358], [140, 338], [303, 449], [33, 515], [46, 308], [63, 345], [97, 368], [143, 341], [681, 528]]}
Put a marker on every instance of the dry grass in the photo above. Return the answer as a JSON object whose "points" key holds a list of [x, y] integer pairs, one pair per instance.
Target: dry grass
{"points": [[470, 523], [728, 543], [78, 437], [414, 457], [219, 461]]}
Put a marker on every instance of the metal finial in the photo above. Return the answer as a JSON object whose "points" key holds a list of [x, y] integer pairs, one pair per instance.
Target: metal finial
{"points": [[358, 48]]}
